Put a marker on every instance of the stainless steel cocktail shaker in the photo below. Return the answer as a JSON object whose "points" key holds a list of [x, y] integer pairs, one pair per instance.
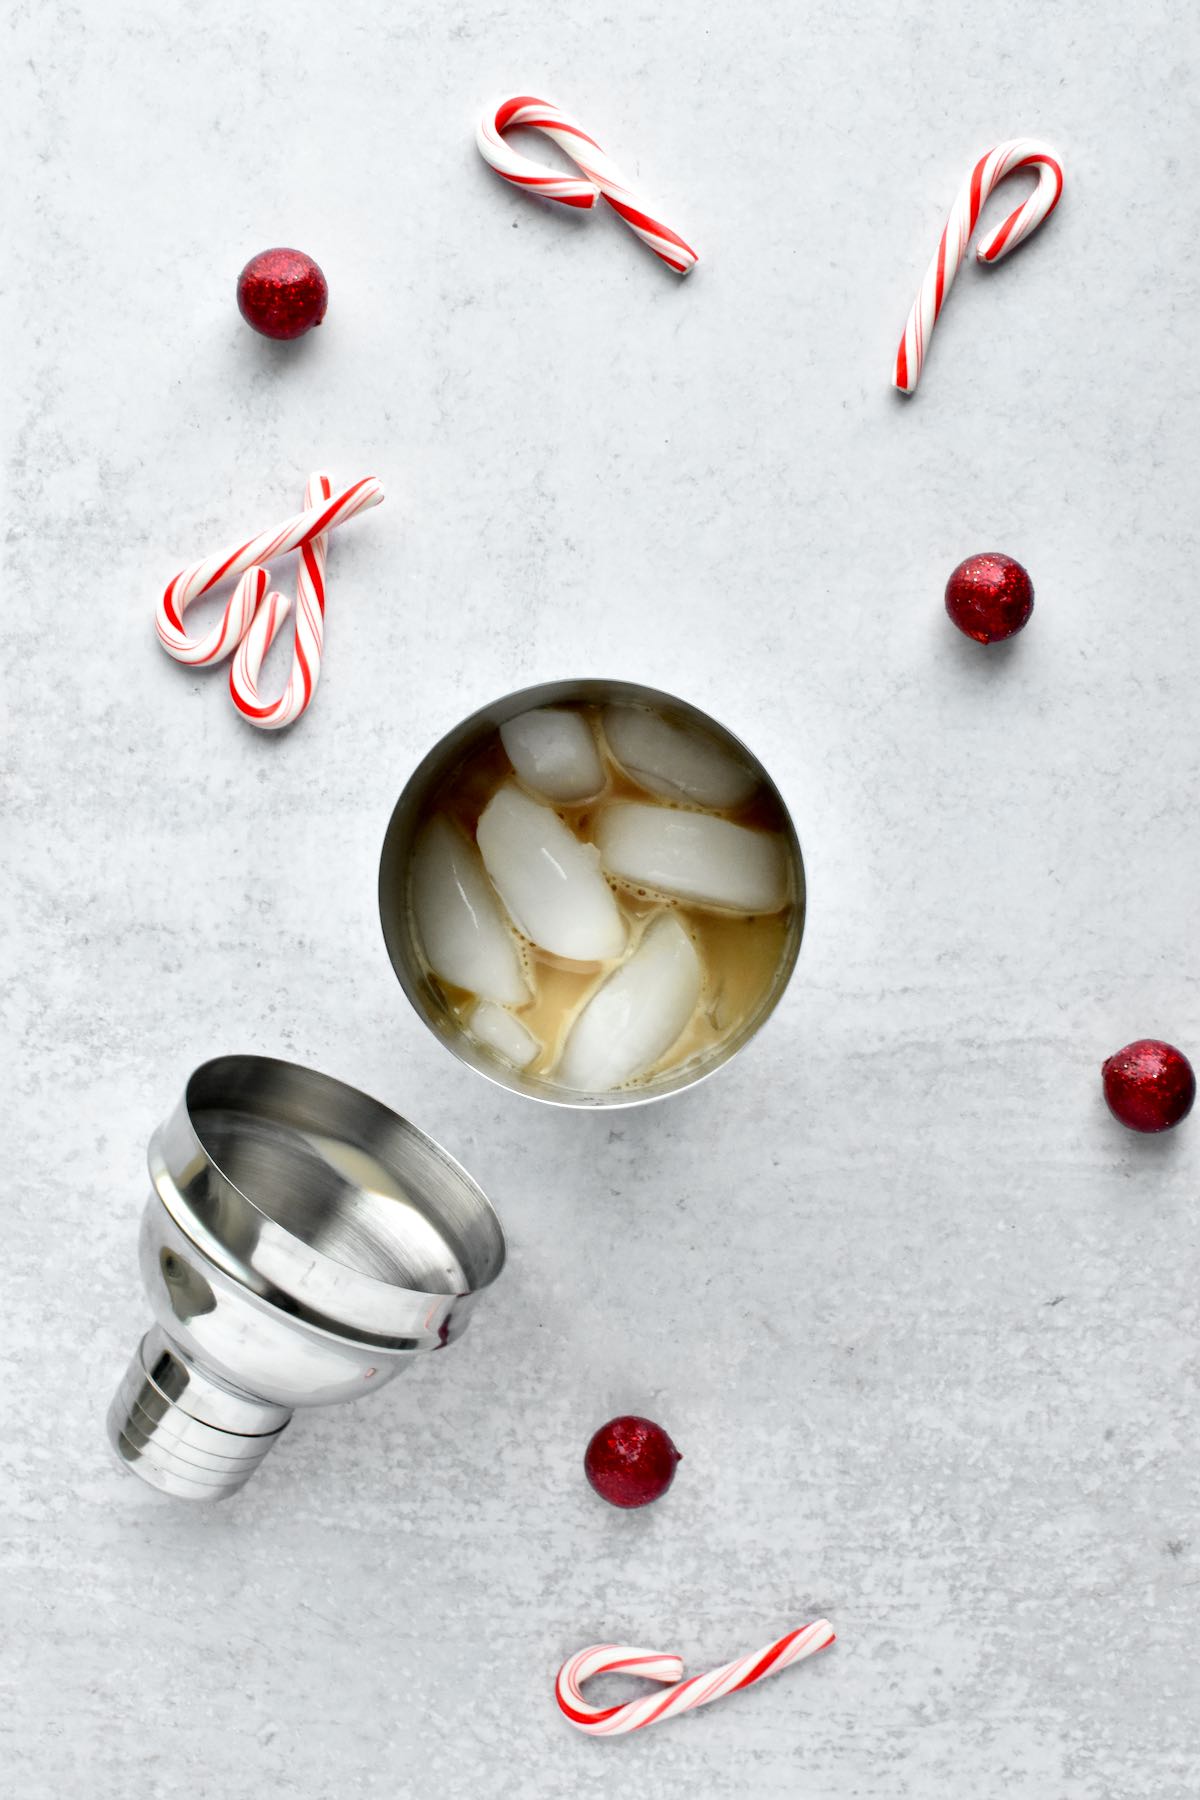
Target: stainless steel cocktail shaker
{"points": [[396, 864], [300, 1245]]}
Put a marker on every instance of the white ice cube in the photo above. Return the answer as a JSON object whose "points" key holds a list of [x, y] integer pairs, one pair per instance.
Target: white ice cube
{"points": [[463, 933], [499, 1031], [551, 883], [694, 856], [678, 761], [636, 1016], [554, 753]]}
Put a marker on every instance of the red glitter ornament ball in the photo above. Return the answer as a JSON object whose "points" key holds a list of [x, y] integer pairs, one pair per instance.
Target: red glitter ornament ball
{"points": [[989, 597], [1149, 1085], [282, 293], [630, 1461]]}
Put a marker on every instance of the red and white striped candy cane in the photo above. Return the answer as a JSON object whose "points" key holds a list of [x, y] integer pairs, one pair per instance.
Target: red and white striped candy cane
{"points": [[698, 1690], [310, 632], [253, 617], [989, 171], [601, 175]]}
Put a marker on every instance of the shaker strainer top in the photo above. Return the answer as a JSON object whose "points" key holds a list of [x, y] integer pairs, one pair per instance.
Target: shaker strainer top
{"points": [[302, 1244], [311, 1192]]}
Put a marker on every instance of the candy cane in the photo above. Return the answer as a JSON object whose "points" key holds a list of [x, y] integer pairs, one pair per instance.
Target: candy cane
{"points": [[310, 632], [989, 171], [601, 175], [698, 1690], [253, 617]]}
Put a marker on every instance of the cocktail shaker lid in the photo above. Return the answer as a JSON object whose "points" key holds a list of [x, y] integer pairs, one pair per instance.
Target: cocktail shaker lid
{"points": [[323, 1201]]}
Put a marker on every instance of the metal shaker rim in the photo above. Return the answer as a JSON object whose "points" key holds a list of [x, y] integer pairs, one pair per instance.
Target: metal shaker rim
{"points": [[258, 1167]]}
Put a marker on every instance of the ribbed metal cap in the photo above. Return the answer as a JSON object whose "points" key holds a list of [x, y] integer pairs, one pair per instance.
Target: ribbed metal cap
{"points": [[185, 1433]]}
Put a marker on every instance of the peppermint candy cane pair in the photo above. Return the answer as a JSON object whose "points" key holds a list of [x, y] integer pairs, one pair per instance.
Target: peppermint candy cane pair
{"points": [[698, 1690], [600, 174], [253, 617], [991, 169]]}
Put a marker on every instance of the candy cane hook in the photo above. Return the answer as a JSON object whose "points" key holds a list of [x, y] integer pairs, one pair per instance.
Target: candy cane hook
{"points": [[600, 174], [310, 632], [989, 171], [697, 1690], [253, 616]]}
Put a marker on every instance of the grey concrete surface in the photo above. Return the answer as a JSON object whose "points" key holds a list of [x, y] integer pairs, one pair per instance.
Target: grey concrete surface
{"points": [[920, 1316]]}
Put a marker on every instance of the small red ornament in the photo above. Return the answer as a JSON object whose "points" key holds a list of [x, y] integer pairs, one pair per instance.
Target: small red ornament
{"points": [[989, 597], [630, 1461], [1149, 1085], [282, 293]]}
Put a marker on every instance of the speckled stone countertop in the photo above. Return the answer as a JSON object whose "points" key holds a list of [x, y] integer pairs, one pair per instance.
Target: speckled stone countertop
{"points": [[921, 1317]]}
